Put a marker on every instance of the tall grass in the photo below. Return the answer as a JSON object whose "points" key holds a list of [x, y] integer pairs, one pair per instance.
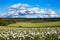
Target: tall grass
{"points": [[14, 33]]}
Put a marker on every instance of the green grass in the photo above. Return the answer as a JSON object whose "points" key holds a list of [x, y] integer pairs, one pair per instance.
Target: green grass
{"points": [[10, 33], [30, 24], [47, 31]]}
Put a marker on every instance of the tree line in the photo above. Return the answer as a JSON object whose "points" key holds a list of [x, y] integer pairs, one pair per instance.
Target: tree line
{"points": [[6, 21]]}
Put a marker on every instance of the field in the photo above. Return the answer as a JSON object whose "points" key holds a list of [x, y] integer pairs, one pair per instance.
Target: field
{"points": [[29, 24], [30, 29], [16, 33]]}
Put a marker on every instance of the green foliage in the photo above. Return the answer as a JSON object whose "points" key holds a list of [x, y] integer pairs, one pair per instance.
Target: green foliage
{"points": [[52, 37], [28, 21]]}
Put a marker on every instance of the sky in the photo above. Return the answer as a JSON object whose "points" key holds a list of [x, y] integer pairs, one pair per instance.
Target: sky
{"points": [[49, 4]]}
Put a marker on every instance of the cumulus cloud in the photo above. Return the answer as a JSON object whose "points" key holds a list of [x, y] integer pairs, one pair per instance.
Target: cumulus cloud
{"points": [[34, 10], [27, 11], [37, 10], [22, 11], [19, 5], [58, 13], [52, 13], [43, 11], [15, 5]]}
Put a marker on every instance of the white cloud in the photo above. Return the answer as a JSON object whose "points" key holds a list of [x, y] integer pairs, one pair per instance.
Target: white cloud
{"points": [[43, 11], [22, 11], [58, 13], [25, 5], [16, 5], [52, 13], [34, 10], [37, 10], [28, 16], [27, 9], [19, 5]]}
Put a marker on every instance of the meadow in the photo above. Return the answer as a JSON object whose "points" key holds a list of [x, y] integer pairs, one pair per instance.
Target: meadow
{"points": [[30, 24], [16, 33], [30, 29]]}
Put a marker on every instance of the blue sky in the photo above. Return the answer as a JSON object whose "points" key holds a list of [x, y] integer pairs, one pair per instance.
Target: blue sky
{"points": [[52, 4]]}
